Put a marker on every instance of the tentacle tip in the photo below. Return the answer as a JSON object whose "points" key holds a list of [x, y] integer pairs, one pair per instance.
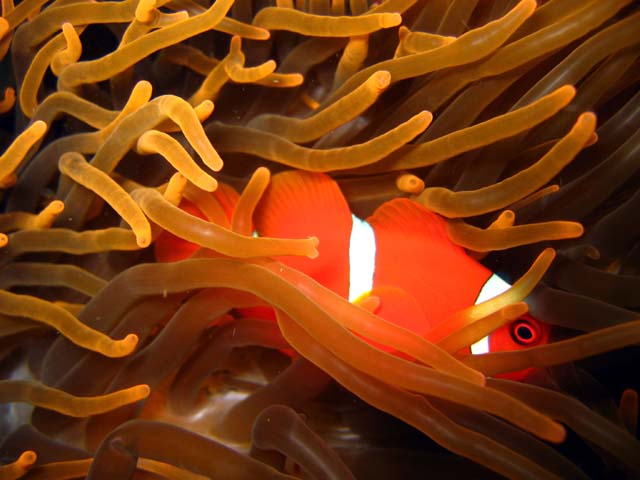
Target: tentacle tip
{"points": [[549, 253], [528, 6], [587, 120], [64, 161], [577, 230], [39, 127], [28, 458], [389, 20], [382, 79], [142, 391], [480, 379], [314, 247], [593, 139], [210, 184], [236, 42], [143, 241], [128, 344], [426, 116], [145, 85], [217, 166], [593, 253], [409, 183], [204, 109], [262, 34], [557, 435], [631, 394], [567, 92], [297, 79], [8, 181], [56, 206]]}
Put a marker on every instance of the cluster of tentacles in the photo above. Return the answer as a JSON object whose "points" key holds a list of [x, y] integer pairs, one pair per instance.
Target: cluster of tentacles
{"points": [[517, 121]]}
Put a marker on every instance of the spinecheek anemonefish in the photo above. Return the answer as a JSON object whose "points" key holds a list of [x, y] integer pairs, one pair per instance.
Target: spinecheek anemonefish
{"points": [[401, 254]]}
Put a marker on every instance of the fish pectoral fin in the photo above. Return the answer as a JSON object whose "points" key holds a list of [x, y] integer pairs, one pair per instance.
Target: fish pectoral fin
{"points": [[369, 302], [398, 306]]}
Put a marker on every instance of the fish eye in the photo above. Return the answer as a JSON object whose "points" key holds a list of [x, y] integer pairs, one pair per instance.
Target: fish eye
{"points": [[525, 332]]}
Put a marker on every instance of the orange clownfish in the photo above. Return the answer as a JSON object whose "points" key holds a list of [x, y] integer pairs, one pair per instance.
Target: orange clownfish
{"points": [[401, 254]]}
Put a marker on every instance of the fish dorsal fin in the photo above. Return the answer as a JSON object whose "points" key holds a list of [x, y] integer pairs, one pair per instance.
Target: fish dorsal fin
{"points": [[300, 204], [407, 217], [414, 253]]}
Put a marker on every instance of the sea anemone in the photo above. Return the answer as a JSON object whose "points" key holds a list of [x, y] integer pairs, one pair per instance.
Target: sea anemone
{"points": [[150, 329]]}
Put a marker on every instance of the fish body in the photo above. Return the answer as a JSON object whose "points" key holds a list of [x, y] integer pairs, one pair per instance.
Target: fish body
{"points": [[400, 254]]}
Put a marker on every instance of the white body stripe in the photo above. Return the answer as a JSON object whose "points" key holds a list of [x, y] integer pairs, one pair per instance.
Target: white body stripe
{"points": [[492, 288], [362, 258]]}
